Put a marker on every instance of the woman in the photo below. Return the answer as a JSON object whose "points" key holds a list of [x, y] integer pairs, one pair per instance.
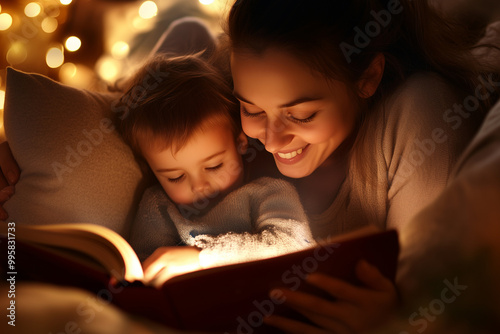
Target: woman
{"points": [[365, 106]]}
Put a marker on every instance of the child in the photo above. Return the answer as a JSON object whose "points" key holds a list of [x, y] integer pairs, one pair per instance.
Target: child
{"points": [[183, 121]]}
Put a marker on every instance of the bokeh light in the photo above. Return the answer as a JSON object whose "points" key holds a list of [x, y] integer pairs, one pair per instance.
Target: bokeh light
{"points": [[2, 99], [67, 72], [73, 43], [206, 2], [32, 9], [108, 68], [148, 10], [65, 2], [49, 24], [120, 50], [17, 53], [76, 75], [5, 21], [55, 57]]}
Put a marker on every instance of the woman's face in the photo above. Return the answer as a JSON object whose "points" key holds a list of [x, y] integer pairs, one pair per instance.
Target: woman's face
{"points": [[298, 115]]}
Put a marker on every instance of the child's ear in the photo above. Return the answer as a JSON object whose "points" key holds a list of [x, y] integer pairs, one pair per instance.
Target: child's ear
{"points": [[242, 143], [368, 84]]}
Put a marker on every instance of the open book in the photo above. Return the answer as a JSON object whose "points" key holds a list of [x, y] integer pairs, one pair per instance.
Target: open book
{"points": [[231, 298]]}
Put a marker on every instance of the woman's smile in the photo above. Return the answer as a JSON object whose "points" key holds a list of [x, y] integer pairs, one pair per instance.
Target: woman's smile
{"points": [[291, 157]]}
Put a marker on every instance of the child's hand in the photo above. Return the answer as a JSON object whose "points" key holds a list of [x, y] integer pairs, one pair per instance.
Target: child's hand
{"points": [[167, 262], [356, 309]]}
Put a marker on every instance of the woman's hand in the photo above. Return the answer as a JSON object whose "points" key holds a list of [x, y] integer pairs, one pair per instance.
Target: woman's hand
{"points": [[167, 262], [355, 309], [9, 175]]}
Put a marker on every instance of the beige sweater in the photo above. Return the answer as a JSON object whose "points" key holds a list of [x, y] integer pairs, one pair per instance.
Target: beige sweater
{"points": [[417, 136]]}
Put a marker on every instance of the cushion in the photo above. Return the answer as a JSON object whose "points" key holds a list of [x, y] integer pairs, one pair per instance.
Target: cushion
{"points": [[456, 238], [74, 165]]}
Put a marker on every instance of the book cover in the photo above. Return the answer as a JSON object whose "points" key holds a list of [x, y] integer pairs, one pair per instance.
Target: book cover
{"points": [[227, 299]]}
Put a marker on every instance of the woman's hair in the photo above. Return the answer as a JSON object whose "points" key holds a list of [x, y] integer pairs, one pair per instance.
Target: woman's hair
{"points": [[340, 38], [171, 98]]}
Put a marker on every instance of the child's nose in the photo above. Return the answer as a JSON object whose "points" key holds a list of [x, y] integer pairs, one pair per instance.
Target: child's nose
{"points": [[201, 186]]}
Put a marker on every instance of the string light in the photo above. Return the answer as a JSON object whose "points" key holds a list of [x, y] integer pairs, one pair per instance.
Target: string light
{"points": [[5, 21], [108, 68], [2, 99], [55, 57], [148, 10], [120, 50], [67, 72], [73, 43], [49, 24], [32, 9], [17, 53]]}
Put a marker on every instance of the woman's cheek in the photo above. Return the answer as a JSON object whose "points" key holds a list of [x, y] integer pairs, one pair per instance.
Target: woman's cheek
{"points": [[252, 127]]}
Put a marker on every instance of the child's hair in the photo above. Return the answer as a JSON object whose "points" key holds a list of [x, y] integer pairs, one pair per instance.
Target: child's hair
{"points": [[171, 98]]}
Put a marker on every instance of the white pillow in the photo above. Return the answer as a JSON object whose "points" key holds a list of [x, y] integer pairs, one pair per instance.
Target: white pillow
{"points": [[74, 165]]}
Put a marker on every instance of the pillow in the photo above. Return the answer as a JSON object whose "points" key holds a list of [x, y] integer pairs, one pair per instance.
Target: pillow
{"points": [[74, 165], [456, 237]]}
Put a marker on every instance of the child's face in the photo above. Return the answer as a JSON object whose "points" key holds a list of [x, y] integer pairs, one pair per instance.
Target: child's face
{"points": [[207, 166]]}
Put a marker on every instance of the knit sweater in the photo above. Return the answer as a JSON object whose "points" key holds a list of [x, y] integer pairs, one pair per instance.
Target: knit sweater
{"points": [[260, 219], [411, 146]]}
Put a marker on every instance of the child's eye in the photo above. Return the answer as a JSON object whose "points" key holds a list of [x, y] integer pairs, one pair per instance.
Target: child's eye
{"points": [[214, 168], [250, 114], [176, 179]]}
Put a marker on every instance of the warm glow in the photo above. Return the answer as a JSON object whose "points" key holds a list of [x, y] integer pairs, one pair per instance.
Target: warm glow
{"points": [[120, 50], [55, 57], [73, 43], [108, 68], [76, 75], [17, 53], [67, 72], [5, 21], [148, 10], [32, 9], [206, 2], [65, 2], [2, 99], [49, 24]]}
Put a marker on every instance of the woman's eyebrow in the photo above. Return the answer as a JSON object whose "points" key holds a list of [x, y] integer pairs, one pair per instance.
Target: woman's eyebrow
{"points": [[285, 105]]}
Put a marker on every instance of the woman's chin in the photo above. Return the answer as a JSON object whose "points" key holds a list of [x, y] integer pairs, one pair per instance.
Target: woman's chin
{"points": [[293, 172]]}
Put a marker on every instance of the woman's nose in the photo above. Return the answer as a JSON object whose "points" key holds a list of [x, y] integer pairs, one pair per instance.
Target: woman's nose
{"points": [[277, 135]]}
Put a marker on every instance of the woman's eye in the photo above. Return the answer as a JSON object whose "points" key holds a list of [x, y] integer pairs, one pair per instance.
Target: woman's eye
{"points": [[302, 120], [246, 113], [214, 168], [176, 179]]}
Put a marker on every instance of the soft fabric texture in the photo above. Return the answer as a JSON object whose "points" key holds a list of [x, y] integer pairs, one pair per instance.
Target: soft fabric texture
{"points": [[413, 144], [260, 219], [74, 165], [45, 308], [457, 237]]}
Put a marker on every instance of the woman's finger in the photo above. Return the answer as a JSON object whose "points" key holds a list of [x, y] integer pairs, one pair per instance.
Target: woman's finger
{"points": [[308, 305], [335, 287], [372, 277]]}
